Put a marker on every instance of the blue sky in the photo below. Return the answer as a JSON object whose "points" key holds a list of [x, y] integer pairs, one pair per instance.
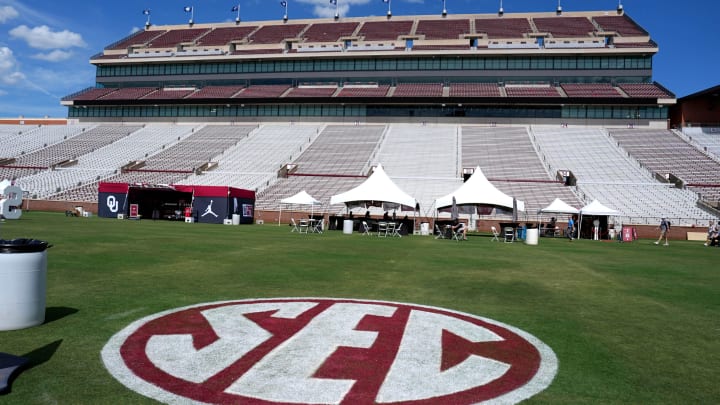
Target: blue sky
{"points": [[45, 45]]}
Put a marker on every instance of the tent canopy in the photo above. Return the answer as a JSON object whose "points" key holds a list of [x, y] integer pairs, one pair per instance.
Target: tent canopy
{"points": [[559, 206], [377, 187], [195, 190], [596, 208], [478, 190], [302, 198]]}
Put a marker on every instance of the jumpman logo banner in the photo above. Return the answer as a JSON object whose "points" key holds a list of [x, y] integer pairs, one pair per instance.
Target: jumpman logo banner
{"points": [[212, 210]]}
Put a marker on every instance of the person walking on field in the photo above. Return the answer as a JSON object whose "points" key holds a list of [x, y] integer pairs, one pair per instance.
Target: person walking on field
{"points": [[713, 232], [571, 228], [664, 229]]}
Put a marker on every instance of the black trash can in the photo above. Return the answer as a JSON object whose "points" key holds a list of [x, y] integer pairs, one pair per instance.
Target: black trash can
{"points": [[23, 273]]}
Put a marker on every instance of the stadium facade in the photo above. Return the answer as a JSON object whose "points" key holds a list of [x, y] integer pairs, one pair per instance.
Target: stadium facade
{"points": [[589, 66], [547, 105]]}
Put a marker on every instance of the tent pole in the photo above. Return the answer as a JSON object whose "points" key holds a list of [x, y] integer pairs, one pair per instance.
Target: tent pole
{"points": [[127, 201], [580, 224], [192, 203], [414, 220], [539, 216]]}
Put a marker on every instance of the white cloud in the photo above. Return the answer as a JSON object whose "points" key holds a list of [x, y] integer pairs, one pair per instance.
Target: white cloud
{"points": [[11, 75], [35, 16], [64, 78], [9, 72], [7, 13], [323, 8], [13, 78], [134, 30], [55, 56], [43, 38]]}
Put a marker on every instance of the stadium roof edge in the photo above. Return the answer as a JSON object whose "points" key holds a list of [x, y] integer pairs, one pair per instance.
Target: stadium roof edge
{"points": [[711, 91], [384, 18], [144, 52]]}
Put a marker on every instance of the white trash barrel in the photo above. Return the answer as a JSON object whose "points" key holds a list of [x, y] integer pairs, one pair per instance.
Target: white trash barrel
{"points": [[531, 236], [23, 271], [347, 226], [425, 228], [236, 219]]}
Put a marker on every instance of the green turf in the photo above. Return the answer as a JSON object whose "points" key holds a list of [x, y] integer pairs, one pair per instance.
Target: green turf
{"points": [[631, 323]]}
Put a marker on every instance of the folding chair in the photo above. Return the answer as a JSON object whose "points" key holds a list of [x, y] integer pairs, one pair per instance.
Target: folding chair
{"points": [[438, 233], [396, 231], [459, 233], [495, 234], [304, 226], [319, 225], [509, 234], [382, 229], [294, 226], [366, 228]]}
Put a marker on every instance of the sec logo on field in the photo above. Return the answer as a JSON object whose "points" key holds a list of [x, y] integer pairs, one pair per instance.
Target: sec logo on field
{"points": [[327, 351]]}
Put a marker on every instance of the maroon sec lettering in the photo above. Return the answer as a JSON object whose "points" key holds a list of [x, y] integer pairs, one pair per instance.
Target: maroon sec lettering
{"points": [[327, 351]]}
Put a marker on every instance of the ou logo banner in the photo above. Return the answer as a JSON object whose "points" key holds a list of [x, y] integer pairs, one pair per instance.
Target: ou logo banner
{"points": [[112, 203], [10, 200], [327, 351]]}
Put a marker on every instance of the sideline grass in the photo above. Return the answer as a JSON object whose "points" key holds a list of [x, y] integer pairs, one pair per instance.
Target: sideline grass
{"points": [[630, 323]]}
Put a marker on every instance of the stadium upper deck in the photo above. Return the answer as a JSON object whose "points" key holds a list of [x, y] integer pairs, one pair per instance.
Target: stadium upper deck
{"points": [[579, 65]]}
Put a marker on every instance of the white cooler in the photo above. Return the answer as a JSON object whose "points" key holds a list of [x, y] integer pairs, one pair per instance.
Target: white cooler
{"points": [[22, 287], [531, 236], [347, 226]]}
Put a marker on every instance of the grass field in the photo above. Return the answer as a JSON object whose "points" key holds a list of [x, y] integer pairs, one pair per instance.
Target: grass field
{"points": [[631, 323]]}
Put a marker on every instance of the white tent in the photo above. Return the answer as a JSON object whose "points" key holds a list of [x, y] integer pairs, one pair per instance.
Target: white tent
{"points": [[595, 208], [559, 206], [478, 190], [377, 187], [301, 198]]}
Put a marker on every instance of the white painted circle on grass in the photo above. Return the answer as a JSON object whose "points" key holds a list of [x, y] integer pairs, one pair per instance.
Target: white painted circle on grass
{"points": [[327, 351]]}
